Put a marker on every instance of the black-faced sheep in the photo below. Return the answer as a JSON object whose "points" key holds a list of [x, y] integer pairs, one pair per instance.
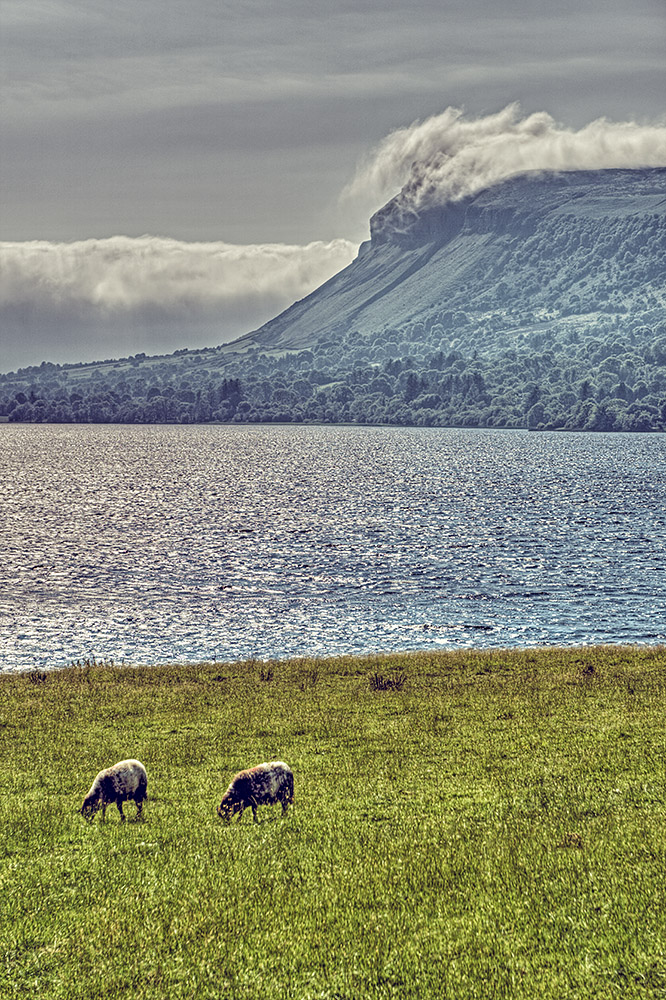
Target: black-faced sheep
{"points": [[262, 785], [125, 780]]}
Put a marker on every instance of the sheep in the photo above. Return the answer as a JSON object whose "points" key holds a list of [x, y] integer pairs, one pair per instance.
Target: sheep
{"points": [[264, 784], [125, 780]]}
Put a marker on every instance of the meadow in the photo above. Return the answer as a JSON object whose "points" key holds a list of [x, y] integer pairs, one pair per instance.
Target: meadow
{"points": [[466, 825]]}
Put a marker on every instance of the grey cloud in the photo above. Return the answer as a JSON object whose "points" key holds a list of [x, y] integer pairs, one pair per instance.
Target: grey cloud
{"points": [[68, 59]]}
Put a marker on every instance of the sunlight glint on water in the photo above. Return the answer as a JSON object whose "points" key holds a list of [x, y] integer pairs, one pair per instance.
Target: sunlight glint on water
{"points": [[154, 543]]}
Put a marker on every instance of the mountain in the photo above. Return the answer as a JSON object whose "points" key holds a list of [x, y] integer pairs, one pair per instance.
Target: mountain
{"points": [[538, 303], [563, 244]]}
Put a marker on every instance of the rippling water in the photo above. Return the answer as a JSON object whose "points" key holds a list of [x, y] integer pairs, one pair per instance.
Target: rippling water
{"points": [[153, 544]]}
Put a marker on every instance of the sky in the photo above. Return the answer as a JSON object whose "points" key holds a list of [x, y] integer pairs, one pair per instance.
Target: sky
{"points": [[173, 175]]}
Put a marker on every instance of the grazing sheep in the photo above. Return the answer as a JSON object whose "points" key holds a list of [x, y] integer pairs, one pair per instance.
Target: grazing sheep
{"points": [[263, 785], [125, 780]]}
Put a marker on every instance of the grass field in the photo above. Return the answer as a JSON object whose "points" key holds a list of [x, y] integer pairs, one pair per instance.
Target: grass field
{"points": [[466, 825]]}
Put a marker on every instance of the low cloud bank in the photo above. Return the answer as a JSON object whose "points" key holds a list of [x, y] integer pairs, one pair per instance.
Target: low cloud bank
{"points": [[449, 156], [96, 299]]}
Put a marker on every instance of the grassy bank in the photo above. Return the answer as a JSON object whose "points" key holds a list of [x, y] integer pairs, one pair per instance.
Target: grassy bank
{"points": [[466, 825]]}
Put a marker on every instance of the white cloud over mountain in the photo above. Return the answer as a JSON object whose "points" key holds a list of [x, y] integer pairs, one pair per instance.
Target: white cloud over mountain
{"points": [[449, 156]]}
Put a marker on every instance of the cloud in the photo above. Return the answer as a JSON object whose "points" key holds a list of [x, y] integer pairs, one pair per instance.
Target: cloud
{"points": [[66, 301], [448, 156]]}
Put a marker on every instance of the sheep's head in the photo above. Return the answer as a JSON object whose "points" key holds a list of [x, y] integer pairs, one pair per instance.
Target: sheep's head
{"points": [[89, 807], [227, 808]]}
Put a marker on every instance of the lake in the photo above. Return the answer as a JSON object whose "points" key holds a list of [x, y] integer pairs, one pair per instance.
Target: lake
{"points": [[148, 544]]}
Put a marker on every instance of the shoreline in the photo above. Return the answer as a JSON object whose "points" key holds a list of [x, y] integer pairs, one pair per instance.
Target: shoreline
{"points": [[413, 656]]}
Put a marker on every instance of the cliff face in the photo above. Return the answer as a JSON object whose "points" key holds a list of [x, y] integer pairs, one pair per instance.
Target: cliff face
{"points": [[564, 243], [519, 206]]}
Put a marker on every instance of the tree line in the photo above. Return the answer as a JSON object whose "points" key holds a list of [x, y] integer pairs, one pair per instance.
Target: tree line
{"points": [[541, 375]]}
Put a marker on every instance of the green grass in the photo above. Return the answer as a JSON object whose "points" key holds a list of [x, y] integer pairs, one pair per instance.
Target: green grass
{"points": [[466, 825]]}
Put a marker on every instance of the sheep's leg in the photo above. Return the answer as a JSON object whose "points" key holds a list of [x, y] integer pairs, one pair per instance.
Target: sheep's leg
{"points": [[254, 810], [139, 807], [103, 812], [240, 813], [284, 807], [120, 810]]}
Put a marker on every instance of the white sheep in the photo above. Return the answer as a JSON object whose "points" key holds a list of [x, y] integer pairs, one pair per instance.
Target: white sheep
{"points": [[125, 780]]}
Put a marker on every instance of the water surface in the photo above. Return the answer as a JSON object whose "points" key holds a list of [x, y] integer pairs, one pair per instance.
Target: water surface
{"points": [[164, 543]]}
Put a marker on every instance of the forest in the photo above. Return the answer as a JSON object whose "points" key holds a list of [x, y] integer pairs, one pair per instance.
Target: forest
{"points": [[551, 377]]}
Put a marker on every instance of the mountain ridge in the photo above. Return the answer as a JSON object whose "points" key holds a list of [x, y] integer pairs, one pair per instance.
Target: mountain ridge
{"points": [[445, 246]]}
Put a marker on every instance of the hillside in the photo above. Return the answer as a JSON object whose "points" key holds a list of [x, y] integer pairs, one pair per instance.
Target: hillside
{"points": [[538, 303], [571, 243]]}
